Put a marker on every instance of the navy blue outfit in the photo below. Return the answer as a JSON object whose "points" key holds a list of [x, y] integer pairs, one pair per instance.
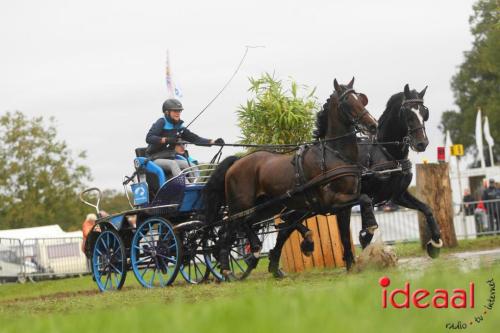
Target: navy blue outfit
{"points": [[493, 208], [164, 127]]}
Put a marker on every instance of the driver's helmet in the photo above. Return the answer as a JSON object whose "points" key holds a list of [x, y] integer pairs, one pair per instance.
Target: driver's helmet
{"points": [[172, 104]]}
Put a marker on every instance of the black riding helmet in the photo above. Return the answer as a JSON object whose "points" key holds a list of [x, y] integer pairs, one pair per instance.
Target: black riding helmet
{"points": [[172, 104]]}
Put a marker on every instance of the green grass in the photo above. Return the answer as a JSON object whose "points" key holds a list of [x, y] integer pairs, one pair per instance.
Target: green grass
{"points": [[316, 301]]}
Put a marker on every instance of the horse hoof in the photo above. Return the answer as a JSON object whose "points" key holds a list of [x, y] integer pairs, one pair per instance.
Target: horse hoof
{"points": [[434, 248], [365, 238], [349, 263], [229, 276], [307, 247], [275, 270], [279, 274]]}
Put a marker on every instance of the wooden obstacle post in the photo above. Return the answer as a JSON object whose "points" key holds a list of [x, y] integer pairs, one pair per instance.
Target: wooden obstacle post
{"points": [[328, 251], [434, 189]]}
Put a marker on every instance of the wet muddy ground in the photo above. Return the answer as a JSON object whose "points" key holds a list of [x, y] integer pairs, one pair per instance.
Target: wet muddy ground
{"points": [[465, 261]]}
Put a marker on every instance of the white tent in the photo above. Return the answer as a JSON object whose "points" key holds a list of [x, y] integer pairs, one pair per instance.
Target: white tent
{"points": [[46, 231]]}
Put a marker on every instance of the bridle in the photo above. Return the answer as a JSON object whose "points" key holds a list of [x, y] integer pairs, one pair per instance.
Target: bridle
{"points": [[404, 109], [355, 121]]}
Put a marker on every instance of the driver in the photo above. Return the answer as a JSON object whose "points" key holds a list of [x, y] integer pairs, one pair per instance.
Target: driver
{"points": [[165, 132]]}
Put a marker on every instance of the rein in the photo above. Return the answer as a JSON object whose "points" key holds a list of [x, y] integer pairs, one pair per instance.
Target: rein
{"points": [[297, 145], [277, 146]]}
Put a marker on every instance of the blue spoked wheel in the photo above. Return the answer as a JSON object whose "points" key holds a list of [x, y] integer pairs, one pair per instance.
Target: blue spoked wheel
{"points": [[194, 268], [239, 256], [155, 253], [109, 261]]}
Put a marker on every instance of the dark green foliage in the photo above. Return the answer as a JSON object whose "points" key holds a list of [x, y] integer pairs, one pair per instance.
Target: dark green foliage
{"points": [[114, 201], [39, 178], [477, 82]]}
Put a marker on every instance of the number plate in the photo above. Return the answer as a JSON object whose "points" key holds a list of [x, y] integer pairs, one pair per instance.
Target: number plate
{"points": [[141, 193]]}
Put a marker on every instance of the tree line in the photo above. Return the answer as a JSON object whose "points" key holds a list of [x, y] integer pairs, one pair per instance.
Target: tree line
{"points": [[40, 176], [476, 84]]}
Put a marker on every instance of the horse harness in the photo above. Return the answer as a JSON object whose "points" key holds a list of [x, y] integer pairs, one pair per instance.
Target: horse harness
{"points": [[395, 166], [308, 188]]}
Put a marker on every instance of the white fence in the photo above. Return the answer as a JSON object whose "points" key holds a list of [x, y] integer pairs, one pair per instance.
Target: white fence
{"points": [[470, 220], [11, 259], [41, 258]]}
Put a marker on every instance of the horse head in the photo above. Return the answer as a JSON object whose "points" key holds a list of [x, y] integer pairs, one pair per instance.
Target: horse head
{"points": [[352, 106], [414, 114]]}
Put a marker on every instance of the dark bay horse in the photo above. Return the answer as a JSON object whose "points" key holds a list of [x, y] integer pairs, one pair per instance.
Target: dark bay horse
{"points": [[262, 176], [402, 121]]}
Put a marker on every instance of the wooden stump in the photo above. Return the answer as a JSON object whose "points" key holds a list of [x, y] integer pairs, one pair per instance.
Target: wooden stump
{"points": [[328, 251], [434, 189]]}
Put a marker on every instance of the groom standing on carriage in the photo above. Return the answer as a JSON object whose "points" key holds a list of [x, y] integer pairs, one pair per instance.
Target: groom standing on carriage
{"points": [[164, 134]]}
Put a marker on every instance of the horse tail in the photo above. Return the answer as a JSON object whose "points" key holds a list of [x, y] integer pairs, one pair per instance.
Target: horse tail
{"points": [[214, 194]]}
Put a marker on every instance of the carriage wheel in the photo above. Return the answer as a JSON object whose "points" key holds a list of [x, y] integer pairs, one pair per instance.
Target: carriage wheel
{"points": [[155, 253], [109, 261], [239, 256], [194, 268]]}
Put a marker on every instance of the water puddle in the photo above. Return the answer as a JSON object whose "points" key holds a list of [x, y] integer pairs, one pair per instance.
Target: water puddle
{"points": [[465, 261]]}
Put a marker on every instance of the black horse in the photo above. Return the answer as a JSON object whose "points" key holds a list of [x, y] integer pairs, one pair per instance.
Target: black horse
{"points": [[387, 176], [318, 178], [402, 121]]}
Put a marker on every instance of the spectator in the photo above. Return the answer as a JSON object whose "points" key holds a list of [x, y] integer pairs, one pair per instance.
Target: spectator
{"points": [[491, 196], [467, 205], [87, 226], [480, 218]]}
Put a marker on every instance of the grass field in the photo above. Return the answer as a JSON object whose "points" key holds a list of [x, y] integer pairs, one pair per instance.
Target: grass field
{"points": [[315, 301]]}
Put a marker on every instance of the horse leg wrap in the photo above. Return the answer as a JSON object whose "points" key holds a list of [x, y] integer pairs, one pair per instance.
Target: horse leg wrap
{"points": [[434, 248], [365, 237], [438, 244], [434, 227], [252, 260], [224, 260]]}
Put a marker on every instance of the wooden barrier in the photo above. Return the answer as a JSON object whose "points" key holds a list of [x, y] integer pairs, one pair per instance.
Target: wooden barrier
{"points": [[328, 251], [434, 189]]}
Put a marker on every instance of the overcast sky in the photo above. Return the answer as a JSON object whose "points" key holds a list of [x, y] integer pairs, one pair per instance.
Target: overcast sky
{"points": [[98, 67]]}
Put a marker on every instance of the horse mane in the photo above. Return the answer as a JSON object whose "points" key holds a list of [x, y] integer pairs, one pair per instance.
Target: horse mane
{"points": [[322, 119], [393, 105]]}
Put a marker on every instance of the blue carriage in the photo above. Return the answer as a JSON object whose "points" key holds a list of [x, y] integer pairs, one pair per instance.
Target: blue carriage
{"points": [[161, 235]]}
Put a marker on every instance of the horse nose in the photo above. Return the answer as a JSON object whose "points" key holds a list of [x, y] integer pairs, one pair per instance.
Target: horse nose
{"points": [[421, 146]]}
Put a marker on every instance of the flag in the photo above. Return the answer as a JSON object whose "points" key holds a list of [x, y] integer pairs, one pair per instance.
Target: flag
{"points": [[448, 143], [173, 91], [489, 139], [479, 138], [447, 140], [487, 134]]}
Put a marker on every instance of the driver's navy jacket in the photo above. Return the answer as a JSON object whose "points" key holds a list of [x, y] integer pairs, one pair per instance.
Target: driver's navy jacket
{"points": [[164, 127]]}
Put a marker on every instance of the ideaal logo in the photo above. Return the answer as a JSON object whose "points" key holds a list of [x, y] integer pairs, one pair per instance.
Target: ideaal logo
{"points": [[439, 299]]}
